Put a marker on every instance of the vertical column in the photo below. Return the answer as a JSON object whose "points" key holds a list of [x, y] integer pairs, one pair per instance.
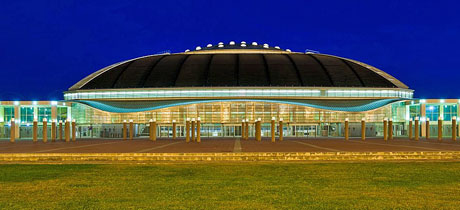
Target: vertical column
{"points": [[34, 130], [281, 129], [427, 128], [410, 129], [131, 129], [74, 131], [259, 129], [416, 132], [125, 132], [45, 130], [243, 129], [346, 129], [454, 128], [67, 131], [247, 129], [187, 130], [440, 128], [174, 129], [385, 129], [151, 130], [422, 122], [390, 129], [154, 136], [53, 130], [12, 130], [198, 130], [273, 129], [363, 129], [193, 129], [60, 130]]}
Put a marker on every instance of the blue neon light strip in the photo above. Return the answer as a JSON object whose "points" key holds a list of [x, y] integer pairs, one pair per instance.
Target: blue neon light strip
{"points": [[136, 106]]}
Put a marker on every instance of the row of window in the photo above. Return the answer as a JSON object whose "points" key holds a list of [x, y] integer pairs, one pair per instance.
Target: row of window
{"points": [[27, 114], [433, 111]]}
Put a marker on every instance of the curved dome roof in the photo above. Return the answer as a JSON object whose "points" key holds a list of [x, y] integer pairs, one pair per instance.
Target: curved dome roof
{"points": [[237, 66]]}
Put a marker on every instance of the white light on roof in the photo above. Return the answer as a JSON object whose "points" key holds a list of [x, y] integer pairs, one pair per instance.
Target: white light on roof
{"points": [[187, 50], [243, 45], [288, 50], [221, 43], [277, 47], [442, 101], [16, 103], [198, 48], [34, 103], [243, 42], [422, 101], [209, 45], [254, 43], [232, 43], [54, 103]]}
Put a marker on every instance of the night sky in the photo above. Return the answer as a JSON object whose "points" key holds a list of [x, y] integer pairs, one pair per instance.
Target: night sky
{"points": [[47, 46]]}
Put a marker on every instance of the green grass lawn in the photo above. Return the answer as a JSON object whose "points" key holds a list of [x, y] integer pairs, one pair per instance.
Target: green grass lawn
{"points": [[430, 185]]}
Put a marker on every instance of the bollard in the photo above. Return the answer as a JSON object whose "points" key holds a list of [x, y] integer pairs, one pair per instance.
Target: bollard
{"points": [[363, 129], [74, 131], [67, 131], [60, 130], [53, 130], [454, 128], [34, 130], [273, 129], [346, 129], [12, 130], [390, 129], [385, 129], [198, 130], [410, 129], [193, 129], [187, 130], [439, 128], [427, 128], [281, 129], [125, 132], [416, 132], [45, 131], [131, 129], [174, 129]]}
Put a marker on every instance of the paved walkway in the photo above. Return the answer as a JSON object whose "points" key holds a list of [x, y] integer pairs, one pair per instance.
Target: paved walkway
{"points": [[231, 145]]}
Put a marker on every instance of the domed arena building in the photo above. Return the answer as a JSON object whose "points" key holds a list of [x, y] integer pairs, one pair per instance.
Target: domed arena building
{"points": [[226, 84]]}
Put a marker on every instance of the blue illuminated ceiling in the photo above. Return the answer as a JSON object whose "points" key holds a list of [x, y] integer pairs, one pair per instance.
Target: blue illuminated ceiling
{"points": [[332, 105]]}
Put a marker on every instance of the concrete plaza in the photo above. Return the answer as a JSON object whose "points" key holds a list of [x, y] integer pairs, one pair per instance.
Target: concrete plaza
{"points": [[229, 145]]}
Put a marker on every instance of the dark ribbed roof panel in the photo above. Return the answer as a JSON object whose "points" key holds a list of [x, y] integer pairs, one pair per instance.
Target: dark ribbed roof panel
{"points": [[108, 78], [282, 70], [369, 78], [252, 70], [222, 70], [341, 74], [131, 77], [310, 70], [193, 71], [165, 72]]}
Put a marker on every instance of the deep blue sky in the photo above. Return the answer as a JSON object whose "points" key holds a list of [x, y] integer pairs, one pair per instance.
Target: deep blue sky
{"points": [[47, 46]]}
